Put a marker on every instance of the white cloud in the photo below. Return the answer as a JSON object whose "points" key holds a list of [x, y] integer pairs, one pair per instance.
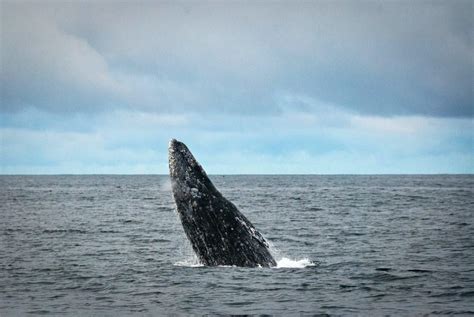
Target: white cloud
{"points": [[399, 125], [130, 141], [43, 64]]}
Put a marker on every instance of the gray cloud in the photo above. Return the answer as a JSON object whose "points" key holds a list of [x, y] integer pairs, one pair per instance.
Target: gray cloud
{"points": [[380, 58]]}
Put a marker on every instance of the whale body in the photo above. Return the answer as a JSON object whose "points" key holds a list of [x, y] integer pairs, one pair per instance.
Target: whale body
{"points": [[219, 233]]}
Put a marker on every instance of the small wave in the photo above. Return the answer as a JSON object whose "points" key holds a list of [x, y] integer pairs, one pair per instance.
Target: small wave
{"points": [[109, 231], [420, 271], [383, 269], [289, 263], [129, 221], [467, 294], [64, 231]]}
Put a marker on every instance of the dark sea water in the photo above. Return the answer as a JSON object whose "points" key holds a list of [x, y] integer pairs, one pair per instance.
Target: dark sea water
{"points": [[346, 245]]}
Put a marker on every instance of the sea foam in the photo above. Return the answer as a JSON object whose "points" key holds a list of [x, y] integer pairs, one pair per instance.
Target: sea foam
{"points": [[282, 263], [289, 263]]}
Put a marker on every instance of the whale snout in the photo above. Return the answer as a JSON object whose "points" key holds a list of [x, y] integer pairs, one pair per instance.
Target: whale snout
{"points": [[181, 161], [174, 144], [185, 171], [177, 150]]}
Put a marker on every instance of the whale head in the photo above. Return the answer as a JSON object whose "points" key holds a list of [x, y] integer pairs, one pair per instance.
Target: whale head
{"points": [[188, 178]]}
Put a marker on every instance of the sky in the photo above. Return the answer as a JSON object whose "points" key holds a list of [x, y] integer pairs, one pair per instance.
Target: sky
{"points": [[252, 87]]}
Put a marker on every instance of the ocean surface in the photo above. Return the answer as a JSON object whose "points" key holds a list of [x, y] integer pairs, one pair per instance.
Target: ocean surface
{"points": [[345, 245]]}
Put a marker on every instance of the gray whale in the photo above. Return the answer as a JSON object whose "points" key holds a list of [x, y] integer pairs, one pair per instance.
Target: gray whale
{"points": [[219, 233]]}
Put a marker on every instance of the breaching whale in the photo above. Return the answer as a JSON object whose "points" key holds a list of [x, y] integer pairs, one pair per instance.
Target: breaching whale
{"points": [[219, 233]]}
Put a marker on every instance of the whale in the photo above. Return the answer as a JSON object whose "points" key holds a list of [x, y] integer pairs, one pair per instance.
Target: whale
{"points": [[218, 232]]}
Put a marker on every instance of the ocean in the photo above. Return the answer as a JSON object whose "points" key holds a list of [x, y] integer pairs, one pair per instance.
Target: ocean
{"points": [[110, 245]]}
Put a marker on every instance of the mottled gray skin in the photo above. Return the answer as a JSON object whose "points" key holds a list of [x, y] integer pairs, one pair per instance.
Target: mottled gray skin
{"points": [[218, 232]]}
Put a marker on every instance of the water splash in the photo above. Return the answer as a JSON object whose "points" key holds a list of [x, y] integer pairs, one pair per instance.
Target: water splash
{"points": [[282, 263], [165, 185], [190, 262], [285, 262], [289, 263]]}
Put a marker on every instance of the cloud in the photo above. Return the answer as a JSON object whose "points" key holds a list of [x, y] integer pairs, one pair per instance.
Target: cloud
{"points": [[46, 68], [372, 58], [294, 141]]}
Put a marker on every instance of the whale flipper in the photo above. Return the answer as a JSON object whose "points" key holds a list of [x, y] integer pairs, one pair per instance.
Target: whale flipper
{"points": [[219, 233]]}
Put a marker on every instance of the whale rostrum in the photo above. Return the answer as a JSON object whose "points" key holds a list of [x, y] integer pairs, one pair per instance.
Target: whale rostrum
{"points": [[219, 233]]}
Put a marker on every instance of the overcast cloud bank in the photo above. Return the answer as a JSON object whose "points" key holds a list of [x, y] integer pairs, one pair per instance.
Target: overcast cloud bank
{"points": [[266, 87]]}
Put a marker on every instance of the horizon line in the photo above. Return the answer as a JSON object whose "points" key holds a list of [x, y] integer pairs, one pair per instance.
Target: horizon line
{"points": [[242, 174]]}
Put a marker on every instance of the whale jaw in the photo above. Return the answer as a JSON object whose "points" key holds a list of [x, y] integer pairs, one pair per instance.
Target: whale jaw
{"points": [[219, 233]]}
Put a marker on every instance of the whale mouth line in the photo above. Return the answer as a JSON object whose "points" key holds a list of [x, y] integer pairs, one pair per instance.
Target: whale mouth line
{"points": [[219, 233]]}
